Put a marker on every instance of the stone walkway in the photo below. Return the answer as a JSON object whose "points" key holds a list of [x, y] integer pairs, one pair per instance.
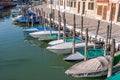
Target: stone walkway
{"points": [[89, 23]]}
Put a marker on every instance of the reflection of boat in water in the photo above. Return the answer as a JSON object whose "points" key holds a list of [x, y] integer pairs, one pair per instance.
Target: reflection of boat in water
{"points": [[33, 41], [5, 13]]}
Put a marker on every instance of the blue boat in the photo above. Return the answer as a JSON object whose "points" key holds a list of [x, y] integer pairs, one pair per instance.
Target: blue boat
{"points": [[1, 7], [27, 18], [38, 29]]}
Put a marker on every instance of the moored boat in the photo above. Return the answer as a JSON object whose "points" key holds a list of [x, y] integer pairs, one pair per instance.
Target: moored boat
{"points": [[16, 18], [68, 39], [65, 48], [95, 67], [79, 55], [38, 29], [43, 34]]}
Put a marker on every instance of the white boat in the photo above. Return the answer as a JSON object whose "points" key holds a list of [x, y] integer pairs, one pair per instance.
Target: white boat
{"points": [[38, 29], [43, 34], [16, 11], [56, 42], [79, 55], [16, 18], [65, 48], [74, 57], [68, 39]]}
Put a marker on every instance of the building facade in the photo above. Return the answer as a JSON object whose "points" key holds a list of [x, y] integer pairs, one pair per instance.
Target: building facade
{"points": [[105, 10]]}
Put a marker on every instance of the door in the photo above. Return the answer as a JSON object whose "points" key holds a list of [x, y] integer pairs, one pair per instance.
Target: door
{"points": [[113, 10], [83, 8], [104, 12], [118, 18], [78, 7]]}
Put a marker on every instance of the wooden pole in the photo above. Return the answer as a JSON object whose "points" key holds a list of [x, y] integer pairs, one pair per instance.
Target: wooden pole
{"points": [[64, 35], [50, 24], [44, 21], [51, 2], [97, 30], [53, 16], [32, 21], [111, 58], [39, 16], [73, 48], [86, 45], [81, 27], [106, 42], [59, 19], [110, 29], [111, 21]]}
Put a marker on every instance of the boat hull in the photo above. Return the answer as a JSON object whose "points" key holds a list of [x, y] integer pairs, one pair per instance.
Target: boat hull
{"points": [[55, 42], [42, 34], [66, 48]]}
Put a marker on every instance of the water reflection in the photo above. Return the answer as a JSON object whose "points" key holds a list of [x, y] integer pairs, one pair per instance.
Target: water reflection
{"points": [[5, 14], [34, 41]]}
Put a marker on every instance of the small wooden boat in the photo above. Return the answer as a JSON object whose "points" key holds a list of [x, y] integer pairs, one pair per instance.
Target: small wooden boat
{"points": [[65, 48], [95, 67]]}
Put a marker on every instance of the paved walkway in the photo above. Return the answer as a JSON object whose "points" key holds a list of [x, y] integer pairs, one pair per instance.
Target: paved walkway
{"points": [[89, 23]]}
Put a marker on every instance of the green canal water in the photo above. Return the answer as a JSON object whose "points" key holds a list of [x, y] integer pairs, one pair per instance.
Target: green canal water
{"points": [[24, 58]]}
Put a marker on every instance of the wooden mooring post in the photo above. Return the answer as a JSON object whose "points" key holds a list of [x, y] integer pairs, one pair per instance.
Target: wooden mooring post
{"points": [[86, 45], [96, 33], [53, 17], [81, 33], [74, 27], [44, 23], [50, 23], [64, 28], [59, 26], [111, 58], [32, 21], [106, 42], [39, 16]]}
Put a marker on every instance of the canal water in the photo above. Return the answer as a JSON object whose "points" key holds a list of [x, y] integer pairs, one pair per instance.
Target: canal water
{"points": [[25, 58]]}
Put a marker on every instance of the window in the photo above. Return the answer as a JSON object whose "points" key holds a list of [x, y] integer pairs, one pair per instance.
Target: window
{"points": [[99, 10], [61, 2], [74, 4], [68, 3], [91, 6], [71, 4]]}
